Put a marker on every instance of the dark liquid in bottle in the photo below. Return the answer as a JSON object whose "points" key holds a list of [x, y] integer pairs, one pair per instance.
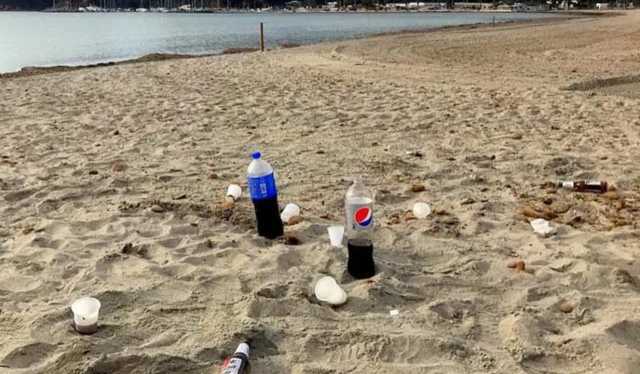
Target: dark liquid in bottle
{"points": [[360, 264], [595, 187], [268, 218]]}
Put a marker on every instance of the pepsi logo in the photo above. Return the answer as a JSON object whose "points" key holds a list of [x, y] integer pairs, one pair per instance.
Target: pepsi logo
{"points": [[363, 216]]}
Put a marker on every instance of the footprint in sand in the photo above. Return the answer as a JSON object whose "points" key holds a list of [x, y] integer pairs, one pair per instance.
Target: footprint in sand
{"points": [[17, 283], [161, 363], [15, 196], [27, 355], [626, 333]]}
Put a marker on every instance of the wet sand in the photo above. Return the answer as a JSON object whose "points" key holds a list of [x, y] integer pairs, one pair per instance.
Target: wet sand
{"points": [[112, 182]]}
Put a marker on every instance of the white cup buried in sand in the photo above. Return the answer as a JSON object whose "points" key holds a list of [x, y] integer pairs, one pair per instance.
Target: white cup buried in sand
{"points": [[234, 191], [329, 291], [542, 227], [421, 210], [290, 211], [85, 315]]}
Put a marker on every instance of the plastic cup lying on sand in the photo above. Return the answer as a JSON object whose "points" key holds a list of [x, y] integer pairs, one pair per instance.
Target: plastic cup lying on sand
{"points": [[421, 210], [335, 235], [290, 211], [542, 227], [85, 315], [329, 291], [234, 191]]}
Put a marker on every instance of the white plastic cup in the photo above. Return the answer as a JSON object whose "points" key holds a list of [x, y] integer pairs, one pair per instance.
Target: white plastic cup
{"points": [[329, 291], [234, 191], [335, 235], [542, 227], [290, 211], [85, 315], [421, 210]]}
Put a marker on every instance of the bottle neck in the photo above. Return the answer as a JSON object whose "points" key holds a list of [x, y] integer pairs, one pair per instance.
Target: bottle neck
{"points": [[244, 349]]}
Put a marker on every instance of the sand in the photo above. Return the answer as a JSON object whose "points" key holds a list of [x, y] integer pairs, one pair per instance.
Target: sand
{"points": [[111, 183]]}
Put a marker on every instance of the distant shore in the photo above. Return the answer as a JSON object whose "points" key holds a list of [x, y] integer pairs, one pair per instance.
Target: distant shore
{"points": [[38, 70], [319, 11]]}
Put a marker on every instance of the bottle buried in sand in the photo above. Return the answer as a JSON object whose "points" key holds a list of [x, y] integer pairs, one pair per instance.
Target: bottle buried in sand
{"points": [[239, 361], [585, 186], [359, 226], [85, 315], [264, 195]]}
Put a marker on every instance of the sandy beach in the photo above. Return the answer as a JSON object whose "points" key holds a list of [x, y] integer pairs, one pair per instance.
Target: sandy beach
{"points": [[112, 182]]}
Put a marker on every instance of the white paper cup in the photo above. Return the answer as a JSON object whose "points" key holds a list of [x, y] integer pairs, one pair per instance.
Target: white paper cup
{"points": [[335, 235], [421, 210], [234, 191], [329, 291], [290, 211], [85, 315], [542, 227]]}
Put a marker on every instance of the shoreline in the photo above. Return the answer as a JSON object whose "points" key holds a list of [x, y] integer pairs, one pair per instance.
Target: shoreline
{"points": [[30, 71]]}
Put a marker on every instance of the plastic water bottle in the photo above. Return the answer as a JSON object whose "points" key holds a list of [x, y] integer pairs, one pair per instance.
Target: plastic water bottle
{"points": [[238, 362], [264, 195], [359, 224]]}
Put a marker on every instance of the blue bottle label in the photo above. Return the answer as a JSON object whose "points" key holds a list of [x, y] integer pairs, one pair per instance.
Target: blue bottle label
{"points": [[262, 188]]}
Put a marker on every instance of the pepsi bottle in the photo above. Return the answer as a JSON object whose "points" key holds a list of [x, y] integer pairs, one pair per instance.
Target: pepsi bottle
{"points": [[264, 195], [239, 362], [359, 226]]}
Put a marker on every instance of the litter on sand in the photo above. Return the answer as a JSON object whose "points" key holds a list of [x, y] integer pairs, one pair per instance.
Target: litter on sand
{"points": [[421, 210], [329, 291], [542, 227]]}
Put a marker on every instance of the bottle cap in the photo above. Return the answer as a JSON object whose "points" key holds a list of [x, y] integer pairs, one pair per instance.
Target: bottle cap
{"points": [[256, 155], [244, 349], [569, 185]]}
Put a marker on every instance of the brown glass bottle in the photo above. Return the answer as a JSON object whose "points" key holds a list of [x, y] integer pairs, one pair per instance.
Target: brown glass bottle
{"points": [[586, 186]]}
